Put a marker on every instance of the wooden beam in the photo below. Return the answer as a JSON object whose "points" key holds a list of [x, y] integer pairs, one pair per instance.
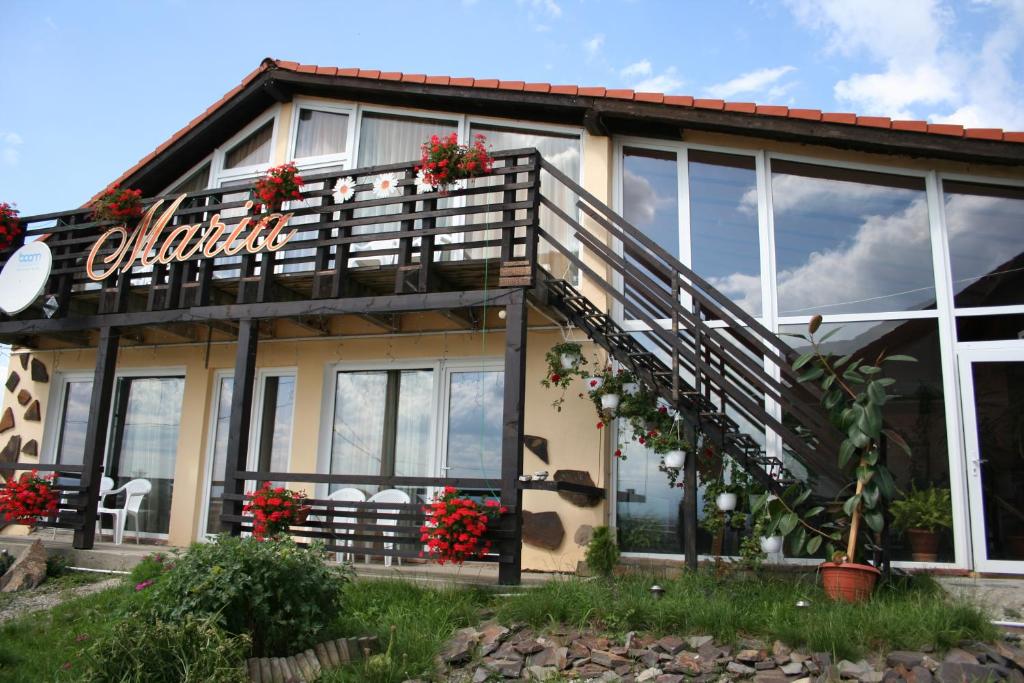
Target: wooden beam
{"points": [[239, 422], [690, 507], [513, 418], [96, 434]]}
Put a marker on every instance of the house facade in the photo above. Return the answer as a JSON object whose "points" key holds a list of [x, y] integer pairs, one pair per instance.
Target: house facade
{"points": [[399, 342]]}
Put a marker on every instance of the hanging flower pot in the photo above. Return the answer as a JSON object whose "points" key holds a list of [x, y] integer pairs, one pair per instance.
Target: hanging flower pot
{"points": [[595, 383], [675, 459], [631, 388], [771, 544], [726, 502], [569, 360], [610, 403]]}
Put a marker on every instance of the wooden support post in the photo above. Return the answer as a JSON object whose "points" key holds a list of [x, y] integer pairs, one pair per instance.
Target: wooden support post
{"points": [[513, 413], [96, 434], [508, 235], [404, 258], [690, 507], [241, 412]]}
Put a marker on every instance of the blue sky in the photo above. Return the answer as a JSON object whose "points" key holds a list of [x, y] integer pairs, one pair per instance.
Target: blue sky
{"points": [[89, 88]]}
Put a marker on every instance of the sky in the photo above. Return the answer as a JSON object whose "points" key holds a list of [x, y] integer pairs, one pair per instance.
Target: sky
{"points": [[88, 88]]}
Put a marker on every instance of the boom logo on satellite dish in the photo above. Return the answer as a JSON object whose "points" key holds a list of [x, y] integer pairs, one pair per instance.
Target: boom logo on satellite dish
{"points": [[24, 277], [181, 243]]}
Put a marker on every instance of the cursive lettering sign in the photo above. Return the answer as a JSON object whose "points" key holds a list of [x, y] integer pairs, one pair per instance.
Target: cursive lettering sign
{"points": [[185, 241]]}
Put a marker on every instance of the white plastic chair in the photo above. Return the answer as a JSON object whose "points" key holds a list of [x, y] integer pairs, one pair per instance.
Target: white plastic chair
{"points": [[388, 496], [135, 490], [349, 495], [106, 483]]}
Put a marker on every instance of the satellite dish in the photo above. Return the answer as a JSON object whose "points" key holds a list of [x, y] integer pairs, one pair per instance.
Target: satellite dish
{"points": [[24, 276]]}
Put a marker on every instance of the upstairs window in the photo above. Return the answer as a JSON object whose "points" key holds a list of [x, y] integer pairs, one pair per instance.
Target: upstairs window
{"points": [[253, 150], [320, 133]]}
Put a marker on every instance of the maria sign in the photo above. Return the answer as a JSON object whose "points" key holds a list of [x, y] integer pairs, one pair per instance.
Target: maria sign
{"points": [[147, 245]]}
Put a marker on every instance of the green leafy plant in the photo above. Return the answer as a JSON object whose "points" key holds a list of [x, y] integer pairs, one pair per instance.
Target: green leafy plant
{"points": [[282, 595], [602, 552], [144, 648], [854, 392], [930, 509], [559, 376], [731, 478]]}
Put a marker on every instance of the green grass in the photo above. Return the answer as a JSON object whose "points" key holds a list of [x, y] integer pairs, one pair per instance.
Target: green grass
{"points": [[909, 615], [36, 647]]}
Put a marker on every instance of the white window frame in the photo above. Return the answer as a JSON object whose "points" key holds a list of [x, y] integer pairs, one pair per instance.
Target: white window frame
{"points": [[256, 419], [219, 175], [55, 411], [342, 159], [211, 442]]}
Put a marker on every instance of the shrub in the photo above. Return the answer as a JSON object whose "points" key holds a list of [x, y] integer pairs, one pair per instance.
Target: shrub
{"points": [[930, 509], [282, 595], [143, 647], [602, 552]]}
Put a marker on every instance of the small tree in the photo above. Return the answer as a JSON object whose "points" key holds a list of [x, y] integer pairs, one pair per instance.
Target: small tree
{"points": [[602, 552]]}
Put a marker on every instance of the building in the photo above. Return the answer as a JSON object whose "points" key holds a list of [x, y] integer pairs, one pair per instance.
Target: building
{"points": [[413, 359]]}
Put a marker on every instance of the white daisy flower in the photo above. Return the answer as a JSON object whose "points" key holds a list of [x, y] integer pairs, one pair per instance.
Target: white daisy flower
{"points": [[385, 185], [344, 190], [422, 186]]}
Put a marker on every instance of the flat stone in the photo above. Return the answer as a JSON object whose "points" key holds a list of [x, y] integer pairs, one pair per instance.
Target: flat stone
{"points": [[32, 413], [740, 669], [893, 676], [918, 674], [28, 571], [12, 381], [493, 632], [780, 649], [609, 660], [540, 673], [543, 529], [953, 672], [765, 665], [749, 656], [31, 448], [550, 656], [649, 658], [590, 670], [848, 669], [697, 642], [669, 678], [930, 664], [23, 359], [957, 656], [528, 647], [460, 647], [671, 644], [583, 500], [7, 421], [1014, 654], [793, 668], [906, 658], [38, 372], [583, 534], [24, 397], [871, 677], [798, 657], [646, 675], [506, 668], [9, 455], [684, 664], [773, 676], [481, 675], [537, 445]]}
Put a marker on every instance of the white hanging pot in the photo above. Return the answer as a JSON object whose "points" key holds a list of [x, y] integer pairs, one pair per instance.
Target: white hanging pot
{"points": [[569, 360], [630, 388], [675, 459], [610, 402], [726, 502], [594, 383], [771, 544]]}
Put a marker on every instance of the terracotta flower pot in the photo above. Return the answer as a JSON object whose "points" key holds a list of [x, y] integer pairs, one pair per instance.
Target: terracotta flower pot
{"points": [[924, 545], [848, 581]]}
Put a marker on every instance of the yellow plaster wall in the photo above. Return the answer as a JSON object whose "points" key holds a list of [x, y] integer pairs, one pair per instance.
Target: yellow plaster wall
{"points": [[26, 429]]}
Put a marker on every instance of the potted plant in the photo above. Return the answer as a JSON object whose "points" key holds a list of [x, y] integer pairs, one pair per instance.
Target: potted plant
{"points": [[274, 509], [920, 515], [606, 390], [10, 226], [854, 394], [455, 526], [564, 361], [29, 498], [276, 186], [672, 446], [444, 162]]}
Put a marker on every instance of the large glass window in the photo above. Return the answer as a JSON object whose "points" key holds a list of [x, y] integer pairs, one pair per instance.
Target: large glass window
{"points": [[382, 423], [650, 194], [253, 150], [274, 439], [218, 452], [320, 133], [985, 224], [850, 241], [724, 235], [144, 442], [74, 416], [916, 409], [474, 424]]}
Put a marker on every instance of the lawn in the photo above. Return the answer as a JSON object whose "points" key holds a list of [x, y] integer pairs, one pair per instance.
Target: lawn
{"points": [[909, 615]]}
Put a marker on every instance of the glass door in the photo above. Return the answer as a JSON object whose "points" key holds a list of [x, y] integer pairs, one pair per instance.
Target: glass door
{"points": [[472, 437], [992, 379]]}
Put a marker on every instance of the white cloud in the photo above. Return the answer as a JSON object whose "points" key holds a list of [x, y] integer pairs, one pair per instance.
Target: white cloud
{"points": [[593, 46], [641, 68], [924, 66], [10, 141], [761, 81], [667, 81], [549, 7]]}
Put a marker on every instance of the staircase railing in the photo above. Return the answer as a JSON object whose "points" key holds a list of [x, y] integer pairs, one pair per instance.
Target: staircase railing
{"points": [[702, 352]]}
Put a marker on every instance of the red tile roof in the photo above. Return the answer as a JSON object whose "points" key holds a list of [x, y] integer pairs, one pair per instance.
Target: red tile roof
{"points": [[748, 108]]}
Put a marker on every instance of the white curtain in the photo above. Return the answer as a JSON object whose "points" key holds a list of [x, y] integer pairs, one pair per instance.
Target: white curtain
{"points": [[358, 428], [253, 150], [320, 133], [219, 454]]}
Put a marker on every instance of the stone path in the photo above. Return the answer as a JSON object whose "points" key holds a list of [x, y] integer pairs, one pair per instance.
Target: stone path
{"points": [[47, 597], [493, 652]]}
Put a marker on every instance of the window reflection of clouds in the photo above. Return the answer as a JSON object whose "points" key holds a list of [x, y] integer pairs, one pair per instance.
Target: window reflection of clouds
{"points": [[474, 424], [849, 247], [71, 449], [283, 410], [358, 422], [150, 438], [415, 412], [986, 234], [650, 195]]}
